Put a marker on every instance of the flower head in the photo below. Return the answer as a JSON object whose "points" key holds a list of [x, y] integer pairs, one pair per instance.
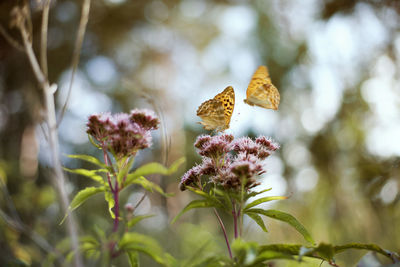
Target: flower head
{"points": [[145, 118], [123, 134], [190, 178], [245, 145], [214, 146], [232, 164]]}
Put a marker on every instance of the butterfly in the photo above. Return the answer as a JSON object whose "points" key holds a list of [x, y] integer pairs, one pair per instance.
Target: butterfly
{"points": [[261, 92], [216, 113]]}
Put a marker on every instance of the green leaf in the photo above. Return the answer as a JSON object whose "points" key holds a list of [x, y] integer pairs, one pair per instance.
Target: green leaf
{"points": [[285, 217], [245, 252], [153, 168], [92, 174], [271, 255], [175, 165], [371, 247], [89, 246], [81, 197], [93, 142], [137, 219], [291, 249], [150, 168], [133, 257], [210, 198], [90, 159], [258, 220], [131, 241], [124, 170], [263, 200], [253, 194], [198, 203], [109, 197], [324, 250], [150, 186]]}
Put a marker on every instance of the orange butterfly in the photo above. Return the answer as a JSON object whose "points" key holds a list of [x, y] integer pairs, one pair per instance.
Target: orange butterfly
{"points": [[216, 113], [261, 92]]}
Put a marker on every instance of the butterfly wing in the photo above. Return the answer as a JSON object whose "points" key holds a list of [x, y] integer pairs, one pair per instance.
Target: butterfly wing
{"points": [[227, 97], [216, 113], [261, 92], [212, 114]]}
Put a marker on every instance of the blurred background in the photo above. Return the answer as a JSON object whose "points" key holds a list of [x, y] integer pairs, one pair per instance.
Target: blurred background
{"points": [[335, 63]]}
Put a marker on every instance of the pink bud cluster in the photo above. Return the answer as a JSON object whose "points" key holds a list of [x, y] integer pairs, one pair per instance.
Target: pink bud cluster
{"points": [[123, 134], [230, 163]]}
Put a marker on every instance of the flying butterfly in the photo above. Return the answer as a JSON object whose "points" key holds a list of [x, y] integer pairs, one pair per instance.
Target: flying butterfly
{"points": [[216, 113], [261, 92]]}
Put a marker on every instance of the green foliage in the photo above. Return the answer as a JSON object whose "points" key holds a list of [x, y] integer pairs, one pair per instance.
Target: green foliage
{"points": [[109, 197], [132, 222], [251, 254], [199, 203], [81, 197], [153, 168], [130, 243], [135, 177], [135, 242], [92, 174], [90, 159], [257, 218], [285, 217], [263, 200]]}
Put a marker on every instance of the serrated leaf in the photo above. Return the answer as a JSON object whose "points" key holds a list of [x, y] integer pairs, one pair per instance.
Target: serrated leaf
{"points": [[137, 219], [131, 241], [92, 174], [90, 159], [258, 220], [263, 200], [285, 217], [198, 203], [81, 197], [109, 197]]}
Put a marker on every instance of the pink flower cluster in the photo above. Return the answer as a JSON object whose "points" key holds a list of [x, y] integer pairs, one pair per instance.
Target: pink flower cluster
{"points": [[228, 162], [123, 134]]}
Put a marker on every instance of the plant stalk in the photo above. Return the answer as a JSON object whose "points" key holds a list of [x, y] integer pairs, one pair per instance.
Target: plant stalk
{"points": [[224, 231], [235, 221], [48, 92]]}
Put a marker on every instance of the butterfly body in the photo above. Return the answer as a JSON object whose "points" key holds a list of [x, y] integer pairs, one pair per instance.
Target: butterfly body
{"points": [[216, 113], [261, 92]]}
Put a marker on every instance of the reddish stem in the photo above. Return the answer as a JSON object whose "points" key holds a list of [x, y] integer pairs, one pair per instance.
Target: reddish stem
{"points": [[235, 217], [224, 231]]}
